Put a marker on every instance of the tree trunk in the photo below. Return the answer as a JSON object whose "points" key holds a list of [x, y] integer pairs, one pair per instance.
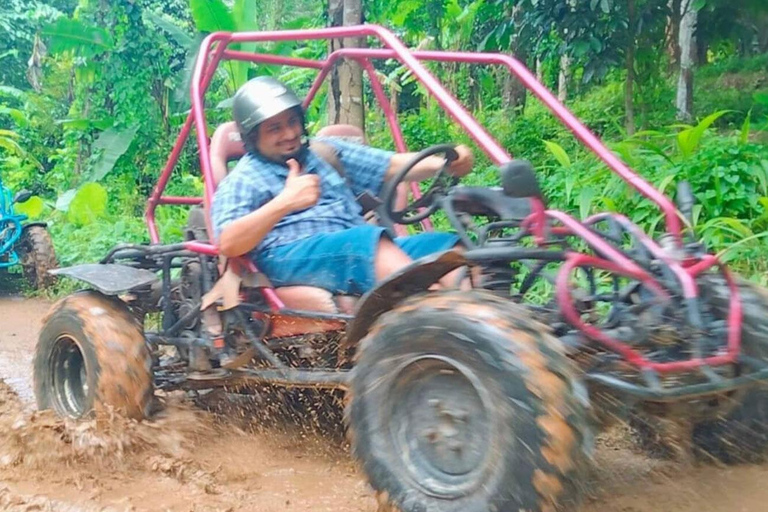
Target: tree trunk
{"points": [[629, 89], [35, 64], [761, 24], [673, 34], [539, 69], [345, 98], [684, 101], [515, 93], [565, 73]]}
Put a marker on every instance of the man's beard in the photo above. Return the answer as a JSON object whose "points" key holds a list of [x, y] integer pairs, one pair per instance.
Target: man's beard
{"points": [[300, 155]]}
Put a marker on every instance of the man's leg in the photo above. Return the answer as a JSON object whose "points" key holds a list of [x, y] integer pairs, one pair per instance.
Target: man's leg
{"points": [[349, 262], [389, 259], [424, 244], [345, 262]]}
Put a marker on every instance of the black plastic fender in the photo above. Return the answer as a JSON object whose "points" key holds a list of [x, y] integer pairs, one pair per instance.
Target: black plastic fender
{"points": [[415, 278]]}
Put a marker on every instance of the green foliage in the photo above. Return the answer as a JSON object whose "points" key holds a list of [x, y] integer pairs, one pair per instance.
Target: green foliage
{"points": [[88, 204], [212, 16], [559, 153], [33, 207], [689, 138], [19, 21], [215, 16], [91, 135], [112, 144], [73, 35], [8, 142]]}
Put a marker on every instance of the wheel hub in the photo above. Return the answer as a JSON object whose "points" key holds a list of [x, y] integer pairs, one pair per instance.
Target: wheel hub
{"points": [[70, 378], [440, 423]]}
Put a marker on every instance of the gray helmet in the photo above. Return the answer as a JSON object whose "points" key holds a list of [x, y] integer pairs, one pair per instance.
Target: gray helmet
{"points": [[259, 99]]}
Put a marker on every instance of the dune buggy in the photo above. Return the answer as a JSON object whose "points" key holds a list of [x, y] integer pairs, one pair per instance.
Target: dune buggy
{"points": [[457, 401], [23, 243]]}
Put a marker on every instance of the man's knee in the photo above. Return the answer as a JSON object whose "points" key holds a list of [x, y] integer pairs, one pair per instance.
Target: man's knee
{"points": [[389, 258]]}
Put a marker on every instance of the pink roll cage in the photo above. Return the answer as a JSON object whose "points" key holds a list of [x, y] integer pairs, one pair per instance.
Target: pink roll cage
{"points": [[215, 47]]}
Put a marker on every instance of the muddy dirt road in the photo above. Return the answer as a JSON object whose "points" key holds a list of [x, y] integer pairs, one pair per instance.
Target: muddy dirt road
{"points": [[188, 460]]}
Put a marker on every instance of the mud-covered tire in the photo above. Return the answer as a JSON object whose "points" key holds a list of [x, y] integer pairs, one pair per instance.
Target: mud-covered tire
{"points": [[742, 434], [91, 358], [37, 257], [459, 401]]}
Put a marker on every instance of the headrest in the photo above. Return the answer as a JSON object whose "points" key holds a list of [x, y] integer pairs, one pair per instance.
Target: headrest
{"points": [[343, 131]]}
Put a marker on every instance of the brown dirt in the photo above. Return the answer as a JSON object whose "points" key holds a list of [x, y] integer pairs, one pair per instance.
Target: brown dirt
{"points": [[187, 460]]}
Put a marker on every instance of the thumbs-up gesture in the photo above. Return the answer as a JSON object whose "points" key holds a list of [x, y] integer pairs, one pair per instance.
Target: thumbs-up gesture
{"points": [[301, 190]]}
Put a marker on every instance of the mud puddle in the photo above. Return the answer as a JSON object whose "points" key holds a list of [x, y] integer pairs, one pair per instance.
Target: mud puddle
{"points": [[231, 459]]}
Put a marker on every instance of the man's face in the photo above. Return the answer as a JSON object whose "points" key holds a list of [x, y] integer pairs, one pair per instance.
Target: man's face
{"points": [[280, 137]]}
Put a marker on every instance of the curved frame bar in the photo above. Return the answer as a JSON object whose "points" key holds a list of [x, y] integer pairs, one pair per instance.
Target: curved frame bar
{"points": [[214, 48]]}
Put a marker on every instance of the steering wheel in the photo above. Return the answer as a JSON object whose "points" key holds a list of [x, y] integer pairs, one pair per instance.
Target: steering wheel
{"points": [[442, 181]]}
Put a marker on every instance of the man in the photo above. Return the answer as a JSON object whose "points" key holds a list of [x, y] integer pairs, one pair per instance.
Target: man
{"points": [[296, 216]]}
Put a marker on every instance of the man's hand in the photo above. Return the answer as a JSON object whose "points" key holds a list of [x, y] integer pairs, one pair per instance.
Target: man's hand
{"points": [[429, 166], [301, 190], [464, 163]]}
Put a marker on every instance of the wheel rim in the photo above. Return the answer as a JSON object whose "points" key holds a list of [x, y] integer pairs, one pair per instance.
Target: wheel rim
{"points": [[69, 377], [440, 424]]}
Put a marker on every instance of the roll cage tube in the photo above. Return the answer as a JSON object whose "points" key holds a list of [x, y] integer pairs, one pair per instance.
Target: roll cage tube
{"points": [[540, 223], [215, 47]]}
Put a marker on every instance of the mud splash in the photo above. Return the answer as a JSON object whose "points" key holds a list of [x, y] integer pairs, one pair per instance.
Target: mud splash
{"points": [[184, 459], [39, 439], [40, 444], [262, 453]]}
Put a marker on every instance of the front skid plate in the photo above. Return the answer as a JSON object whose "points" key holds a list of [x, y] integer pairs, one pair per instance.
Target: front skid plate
{"points": [[109, 278]]}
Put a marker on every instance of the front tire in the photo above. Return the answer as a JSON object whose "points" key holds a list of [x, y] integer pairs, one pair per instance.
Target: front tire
{"points": [[461, 402], [91, 357], [37, 257]]}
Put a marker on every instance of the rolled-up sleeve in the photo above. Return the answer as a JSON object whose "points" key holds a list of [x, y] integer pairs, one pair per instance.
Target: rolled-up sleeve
{"points": [[365, 167]]}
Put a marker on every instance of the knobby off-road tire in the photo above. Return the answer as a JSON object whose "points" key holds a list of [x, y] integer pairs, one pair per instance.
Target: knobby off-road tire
{"points": [[460, 402], [742, 434], [91, 357], [37, 257]]}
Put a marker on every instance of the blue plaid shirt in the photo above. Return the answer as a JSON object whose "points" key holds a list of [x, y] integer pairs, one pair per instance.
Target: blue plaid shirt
{"points": [[255, 181]]}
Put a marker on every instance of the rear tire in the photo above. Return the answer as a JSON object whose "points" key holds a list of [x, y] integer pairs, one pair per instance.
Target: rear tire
{"points": [[742, 434], [459, 401], [91, 357], [37, 257]]}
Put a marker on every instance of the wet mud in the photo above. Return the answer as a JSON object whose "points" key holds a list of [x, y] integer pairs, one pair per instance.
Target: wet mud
{"points": [[221, 452]]}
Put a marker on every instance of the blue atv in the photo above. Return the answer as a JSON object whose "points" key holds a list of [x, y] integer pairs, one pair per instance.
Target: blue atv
{"points": [[27, 244]]}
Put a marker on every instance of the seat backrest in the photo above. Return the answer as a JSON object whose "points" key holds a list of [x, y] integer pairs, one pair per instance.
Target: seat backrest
{"points": [[343, 131], [226, 145]]}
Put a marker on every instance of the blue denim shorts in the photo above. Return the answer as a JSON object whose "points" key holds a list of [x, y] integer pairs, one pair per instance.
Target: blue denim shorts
{"points": [[342, 262]]}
